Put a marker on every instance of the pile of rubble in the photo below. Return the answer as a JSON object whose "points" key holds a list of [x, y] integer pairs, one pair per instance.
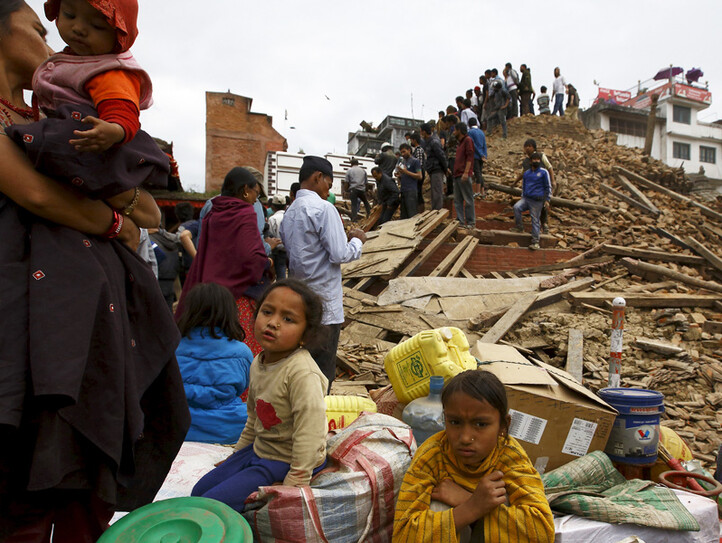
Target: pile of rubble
{"points": [[631, 236]]}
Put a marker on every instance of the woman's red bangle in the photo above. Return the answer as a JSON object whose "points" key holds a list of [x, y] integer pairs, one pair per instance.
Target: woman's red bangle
{"points": [[115, 227]]}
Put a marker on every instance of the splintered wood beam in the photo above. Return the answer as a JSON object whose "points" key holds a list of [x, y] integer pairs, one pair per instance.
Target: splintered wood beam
{"points": [[452, 257], [424, 255], [575, 354]]}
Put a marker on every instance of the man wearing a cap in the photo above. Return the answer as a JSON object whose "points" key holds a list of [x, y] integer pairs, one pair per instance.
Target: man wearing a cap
{"points": [[355, 185], [386, 159], [316, 243]]}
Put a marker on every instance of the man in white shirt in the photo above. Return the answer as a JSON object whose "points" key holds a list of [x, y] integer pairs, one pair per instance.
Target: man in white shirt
{"points": [[316, 243], [559, 88]]}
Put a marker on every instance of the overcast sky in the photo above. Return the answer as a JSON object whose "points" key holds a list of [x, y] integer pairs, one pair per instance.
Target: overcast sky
{"points": [[331, 64]]}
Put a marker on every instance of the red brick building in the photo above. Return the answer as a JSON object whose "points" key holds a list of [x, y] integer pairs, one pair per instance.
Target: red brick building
{"points": [[236, 136]]}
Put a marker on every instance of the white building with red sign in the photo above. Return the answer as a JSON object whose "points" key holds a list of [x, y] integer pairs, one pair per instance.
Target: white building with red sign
{"points": [[680, 138]]}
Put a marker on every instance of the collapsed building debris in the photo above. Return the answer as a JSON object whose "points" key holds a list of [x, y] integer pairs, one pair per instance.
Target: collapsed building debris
{"points": [[622, 224]]}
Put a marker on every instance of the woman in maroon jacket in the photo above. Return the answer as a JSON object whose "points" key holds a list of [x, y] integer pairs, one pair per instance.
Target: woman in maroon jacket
{"points": [[230, 251]]}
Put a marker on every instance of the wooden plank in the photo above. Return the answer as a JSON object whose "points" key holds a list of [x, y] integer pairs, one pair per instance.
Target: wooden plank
{"points": [[566, 265], [365, 265], [650, 254], [651, 287], [365, 283], [504, 324], [657, 346], [452, 257], [645, 300], [359, 329], [575, 354], [496, 275], [456, 268], [369, 222], [466, 273], [708, 255], [389, 248], [638, 194], [628, 199], [431, 224], [639, 267], [407, 322], [430, 249], [561, 202]]}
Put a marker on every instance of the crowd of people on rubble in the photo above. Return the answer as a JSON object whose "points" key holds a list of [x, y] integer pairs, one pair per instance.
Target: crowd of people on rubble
{"points": [[450, 153], [107, 369]]}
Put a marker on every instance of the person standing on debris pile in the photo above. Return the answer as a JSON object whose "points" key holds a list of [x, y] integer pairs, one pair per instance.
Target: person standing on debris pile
{"points": [[387, 192], [498, 104], [313, 234], [526, 91], [355, 185], [408, 173], [448, 123], [473, 480], [512, 87], [463, 166], [436, 165], [572, 101], [543, 102], [535, 191], [529, 149], [467, 113], [386, 159], [419, 153], [559, 88], [479, 139]]}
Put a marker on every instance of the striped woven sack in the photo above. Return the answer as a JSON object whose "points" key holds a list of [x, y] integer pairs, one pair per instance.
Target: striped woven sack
{"points": [[351, 500]]}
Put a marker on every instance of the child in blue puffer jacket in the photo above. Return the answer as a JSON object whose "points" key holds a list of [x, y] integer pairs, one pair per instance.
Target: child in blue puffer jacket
{"points": [[214, 363]]}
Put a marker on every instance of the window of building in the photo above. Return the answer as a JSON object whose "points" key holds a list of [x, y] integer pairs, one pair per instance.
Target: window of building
{"points": [[629, 128], [681, 114], [707, 154], [681, 150], [229, 101]]}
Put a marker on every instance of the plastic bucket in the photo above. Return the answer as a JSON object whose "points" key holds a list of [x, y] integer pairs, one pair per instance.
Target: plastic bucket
{"points": [[181, 520], [635, 435]]}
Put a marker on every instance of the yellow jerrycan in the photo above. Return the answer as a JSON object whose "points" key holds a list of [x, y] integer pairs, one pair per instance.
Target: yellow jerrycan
{"points": [[410, 365], [343, 410]]}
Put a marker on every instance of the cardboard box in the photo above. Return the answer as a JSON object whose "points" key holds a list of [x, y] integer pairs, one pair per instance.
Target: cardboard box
{"points": [[553, 417]]}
